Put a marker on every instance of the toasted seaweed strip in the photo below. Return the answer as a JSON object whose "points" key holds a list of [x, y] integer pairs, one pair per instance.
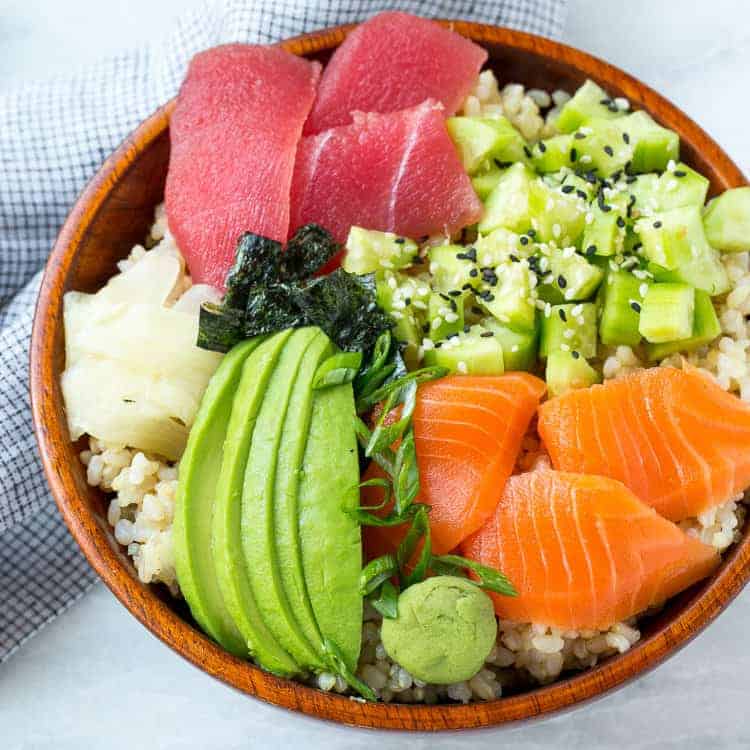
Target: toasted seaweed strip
{"points": [[308, 250], [219, 328], [256, 263]]}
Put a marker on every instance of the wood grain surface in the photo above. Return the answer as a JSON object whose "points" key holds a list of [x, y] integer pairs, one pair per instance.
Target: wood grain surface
{"points": [[115, 211]]}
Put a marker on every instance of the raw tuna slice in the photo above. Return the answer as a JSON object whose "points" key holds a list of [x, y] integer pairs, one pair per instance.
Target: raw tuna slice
{"points": [[234, 134], [391, 62], [397, 172], [674, 437], [468, 432], [583, 551]]}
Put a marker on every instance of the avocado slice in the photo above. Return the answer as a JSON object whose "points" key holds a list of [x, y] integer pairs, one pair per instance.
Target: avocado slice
{"points": [[285, 517], [258, 502], [229, 560], [330, 538], [194, 507]]}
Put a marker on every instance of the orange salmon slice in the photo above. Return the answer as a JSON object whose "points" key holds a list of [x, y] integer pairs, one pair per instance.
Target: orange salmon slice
{"points": [[674, 437], [468, 432], [583, 551]]}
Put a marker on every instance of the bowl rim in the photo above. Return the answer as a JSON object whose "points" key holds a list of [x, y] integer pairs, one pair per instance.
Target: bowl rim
{"points": [[187, 640]]}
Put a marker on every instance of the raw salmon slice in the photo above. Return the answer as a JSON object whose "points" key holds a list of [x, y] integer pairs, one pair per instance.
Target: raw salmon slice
{"points": [[394, 61], [468, 432], [674, 437], [234, 135], [583, 551], [397, 172]]}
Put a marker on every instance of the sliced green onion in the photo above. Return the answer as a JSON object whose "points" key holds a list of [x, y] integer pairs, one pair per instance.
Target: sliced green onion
{"points": [[337, 369]]}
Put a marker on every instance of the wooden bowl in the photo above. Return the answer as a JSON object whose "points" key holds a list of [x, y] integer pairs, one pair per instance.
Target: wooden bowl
{"points": [[115, 211]]}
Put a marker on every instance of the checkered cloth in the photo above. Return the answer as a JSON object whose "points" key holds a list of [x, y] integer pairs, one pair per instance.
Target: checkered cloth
{"points": [[54, 137]]}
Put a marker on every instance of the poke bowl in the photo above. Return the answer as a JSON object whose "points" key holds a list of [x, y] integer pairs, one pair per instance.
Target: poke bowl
{"points": [[530, 670]]}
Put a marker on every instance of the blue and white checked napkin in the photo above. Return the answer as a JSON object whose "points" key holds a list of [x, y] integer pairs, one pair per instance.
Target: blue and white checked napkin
{"points": [[53, 137]]}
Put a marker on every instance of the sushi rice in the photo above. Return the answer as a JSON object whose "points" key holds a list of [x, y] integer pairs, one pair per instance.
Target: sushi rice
{"points": [[142, 487]]}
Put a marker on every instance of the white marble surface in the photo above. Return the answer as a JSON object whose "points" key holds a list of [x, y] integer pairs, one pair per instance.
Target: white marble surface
{"points": [[95, 678]]}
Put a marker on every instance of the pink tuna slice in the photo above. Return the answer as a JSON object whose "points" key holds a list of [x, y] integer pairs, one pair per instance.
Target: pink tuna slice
{"points": [[391, 62], [396, 172], [234, 134]]}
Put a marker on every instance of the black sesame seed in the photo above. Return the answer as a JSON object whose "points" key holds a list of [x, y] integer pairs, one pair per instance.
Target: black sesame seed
{"points": [[567, 188], [477, 310], [626, 138], [418, 260], [562, 315], [637, 246], [562, 282], [631, 179], [514, 258], [399, 240], [502, 164], [445, 297], [426, 328], [486, 334], [574, 154], [582, 194], [575, 354], [616, 176], [407, 301], [524, 239], [636, 307], [609, 151], [579, 136], [631, 203], [531, 232], [591, 251], [467, 287], [438, 344], [474, 273], [542, 146], [679, 173], [467, 328], [621, 222], [657, 225], [455, 292], [527, 152], [605, 102]]}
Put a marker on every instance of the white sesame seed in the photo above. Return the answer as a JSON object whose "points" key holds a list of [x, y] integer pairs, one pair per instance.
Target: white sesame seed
{"points": [[564, 348], [622, 103], [586, 159], [392, 282], [671, 166], [462, 367], [514, 348], [547, 310], [569, 333], [428, 344], [576, 310], [556, 230], [589, 218], [451, 317], [642, 289], [436, 323]]}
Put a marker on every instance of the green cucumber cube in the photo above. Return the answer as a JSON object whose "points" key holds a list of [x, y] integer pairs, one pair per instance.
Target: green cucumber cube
{"points": [[603, 148], [605, 234], [727, 221], [509, 300], [445, 315], [519, 347], [499, 245], [477, 352], [590, 101], [645, 189], [621, 300], [451, 267], [681, 187], [566, 372], [552, 154], [480, 140], [574, 279], [368, 250], [654, 146], [706, 328], [486, 182], [509, 205], [569, 328], [556, 216], [667, 313]]}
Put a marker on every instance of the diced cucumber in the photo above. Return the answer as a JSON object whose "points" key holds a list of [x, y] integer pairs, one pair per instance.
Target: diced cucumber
{"points": [[603, 148], [621, 300], [671, 238], [568, 328], [509, 205], [452, 267], [590, 101], [499, 245], [706, 328], [573, 184], [727, 221], [645, 189], [477, 352], [519, 347], [605, 235], [445, 315], [573, 278], [565, 372], [676, 246], [479, 140], [667, 313], [552, 154], [486, 182], [368, 250], [509, 300], [556, 216], [681, 187], [654, 146], [405, 299]]}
